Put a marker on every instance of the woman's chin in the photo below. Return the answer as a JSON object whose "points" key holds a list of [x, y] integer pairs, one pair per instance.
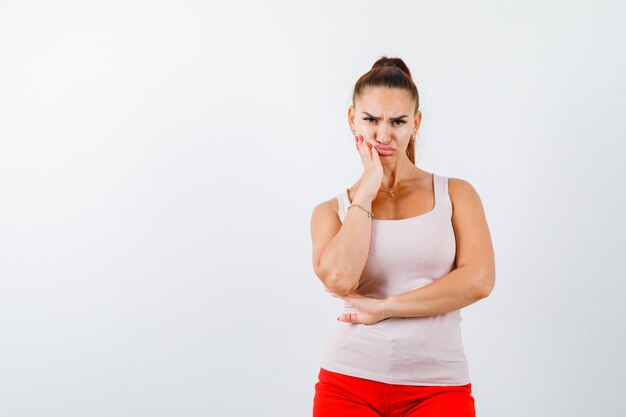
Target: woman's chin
{"points": [[386, 158]]}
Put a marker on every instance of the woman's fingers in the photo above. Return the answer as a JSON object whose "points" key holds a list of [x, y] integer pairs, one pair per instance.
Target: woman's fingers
{"points": [[348, 318], [375, 156], [360, 149], [365, 151], [376, 159]]}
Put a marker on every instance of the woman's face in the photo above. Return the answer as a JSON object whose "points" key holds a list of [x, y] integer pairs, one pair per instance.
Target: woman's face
{"points": [[385, 118]]}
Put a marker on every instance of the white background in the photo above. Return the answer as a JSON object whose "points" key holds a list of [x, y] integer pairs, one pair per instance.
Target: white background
{"points": [[159, 162]]}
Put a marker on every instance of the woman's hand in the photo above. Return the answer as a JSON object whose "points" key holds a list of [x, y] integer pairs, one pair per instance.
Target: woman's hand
{"points": [[368, 310], [373, 169]]}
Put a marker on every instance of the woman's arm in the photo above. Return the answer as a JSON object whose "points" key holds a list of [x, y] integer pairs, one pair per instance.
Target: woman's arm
{"points": [[472, 279], [340, 251], [455, 290]]}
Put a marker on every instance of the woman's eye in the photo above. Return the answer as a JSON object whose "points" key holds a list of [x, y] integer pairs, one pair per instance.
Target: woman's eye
{"points": [[369, 119]]}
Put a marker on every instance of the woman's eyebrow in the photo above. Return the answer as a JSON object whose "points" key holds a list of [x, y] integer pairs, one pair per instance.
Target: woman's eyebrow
{"points": [[391, 118]]}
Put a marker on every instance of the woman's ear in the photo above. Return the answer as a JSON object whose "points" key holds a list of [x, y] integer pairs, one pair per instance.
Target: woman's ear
{"points": [[417, 121], [351, 115]]}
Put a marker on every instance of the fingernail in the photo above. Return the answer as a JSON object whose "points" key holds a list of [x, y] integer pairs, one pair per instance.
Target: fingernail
{"points": [[357, 146], [361, 138], [370, 145], [356, 139], [338, 318]]}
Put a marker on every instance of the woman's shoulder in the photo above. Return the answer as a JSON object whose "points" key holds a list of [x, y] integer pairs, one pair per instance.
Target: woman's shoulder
{"points": [[325, 223], [459, 185], [461, 191], [328, 207]]}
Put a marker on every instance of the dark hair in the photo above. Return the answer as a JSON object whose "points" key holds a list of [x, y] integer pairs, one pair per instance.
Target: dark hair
{"points": [[392, 73]]}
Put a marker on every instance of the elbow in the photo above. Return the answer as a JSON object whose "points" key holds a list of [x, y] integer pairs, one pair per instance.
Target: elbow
{"points": [[485, 286], [341, 285], [483, 292], [344, 291]]}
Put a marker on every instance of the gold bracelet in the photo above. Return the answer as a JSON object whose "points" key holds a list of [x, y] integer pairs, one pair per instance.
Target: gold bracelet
{"points": [[369, 213]]}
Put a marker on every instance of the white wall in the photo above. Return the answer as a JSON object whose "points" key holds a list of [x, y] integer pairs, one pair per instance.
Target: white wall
{"points": [[159, 162]]}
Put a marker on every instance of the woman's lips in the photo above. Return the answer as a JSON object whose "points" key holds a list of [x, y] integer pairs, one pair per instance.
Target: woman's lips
{"points": [[385, 151]]}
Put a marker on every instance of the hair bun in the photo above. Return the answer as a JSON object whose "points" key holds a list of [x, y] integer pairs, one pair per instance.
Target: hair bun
{"points": [[392, 62]]}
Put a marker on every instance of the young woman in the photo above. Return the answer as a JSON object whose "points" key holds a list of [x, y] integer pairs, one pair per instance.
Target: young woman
{"points": [[406, 250]]}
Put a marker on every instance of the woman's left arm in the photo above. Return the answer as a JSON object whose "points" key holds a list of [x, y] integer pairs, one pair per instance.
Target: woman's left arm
{"points": [[474, 277]]}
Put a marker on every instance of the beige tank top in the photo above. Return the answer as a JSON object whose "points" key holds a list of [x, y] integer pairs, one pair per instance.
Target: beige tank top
{"points": [[404, 254]]}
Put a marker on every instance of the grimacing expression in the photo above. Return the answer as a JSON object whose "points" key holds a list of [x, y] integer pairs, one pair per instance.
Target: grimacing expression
{"points": [[385, 117]]}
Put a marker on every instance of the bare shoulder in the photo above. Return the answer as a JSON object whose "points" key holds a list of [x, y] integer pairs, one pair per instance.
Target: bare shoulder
{"points": [[462, 192], [467, 207], [326, 208], [325, 219]]}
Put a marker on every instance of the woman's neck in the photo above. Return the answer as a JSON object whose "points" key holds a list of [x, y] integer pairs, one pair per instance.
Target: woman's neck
{"points": [[395, 176]]}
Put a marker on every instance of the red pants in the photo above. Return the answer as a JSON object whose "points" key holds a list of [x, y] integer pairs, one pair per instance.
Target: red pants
{"points": [[348, 396]]}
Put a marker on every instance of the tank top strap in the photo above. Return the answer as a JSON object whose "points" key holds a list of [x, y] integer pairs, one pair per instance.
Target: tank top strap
{"points": [[344, 203], [441, 191]]}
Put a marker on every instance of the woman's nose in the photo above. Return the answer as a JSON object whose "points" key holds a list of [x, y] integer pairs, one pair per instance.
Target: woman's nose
{"points": [[382, 135]]}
